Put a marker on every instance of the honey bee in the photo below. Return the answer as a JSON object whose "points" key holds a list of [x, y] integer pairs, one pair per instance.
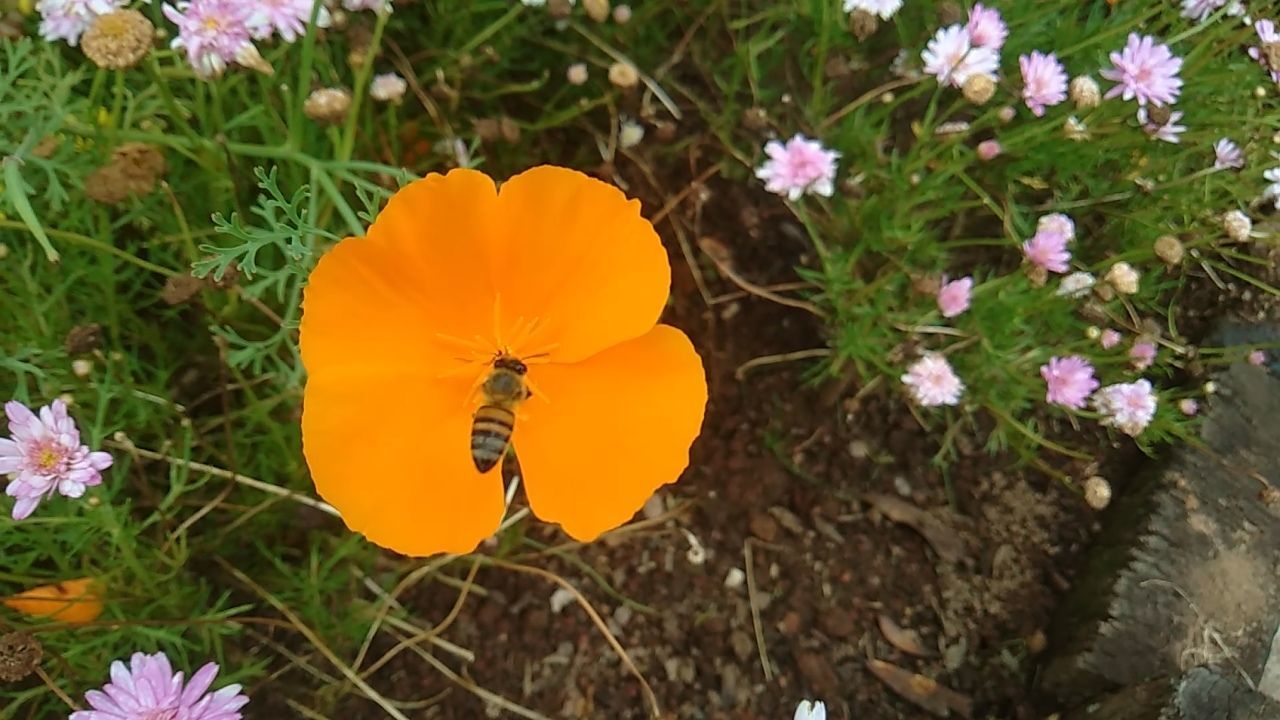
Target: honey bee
{"points": [[503, 389]]}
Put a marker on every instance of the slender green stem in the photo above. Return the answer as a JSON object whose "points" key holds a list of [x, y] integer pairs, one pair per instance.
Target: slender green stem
{"points": [[96, 244]]}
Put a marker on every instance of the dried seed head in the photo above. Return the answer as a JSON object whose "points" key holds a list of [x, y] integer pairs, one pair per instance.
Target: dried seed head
{"points": [[630, 134], [863, 24], [1159, 114], [597, 10], [328, 105], [82, 339], [1123, 278], [118, 40], [1006, 114], [560, 9], [20, 654], [1097, 492], [1237, 224], [623, 75], [577, 74], [388, 87], [1169, 249], [181, 288], [978, 89], [665, 131], [1085, 92], [82, 367], [140, 161], [755, 118], [622, 14]]}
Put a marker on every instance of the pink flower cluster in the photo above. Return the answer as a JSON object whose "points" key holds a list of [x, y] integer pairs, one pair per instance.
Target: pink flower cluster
{"points": [[959, 52], [148, 689], [1128, 407], [44, 457], [1146, 71], [798, 167], [931, 381], [1044, 81], [1048, 247]]}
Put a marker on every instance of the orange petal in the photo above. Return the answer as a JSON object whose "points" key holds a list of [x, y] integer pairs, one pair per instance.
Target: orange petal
{"points": [[423, 271], [577, 256], [598, 437], [72, 601], [391, 451]]}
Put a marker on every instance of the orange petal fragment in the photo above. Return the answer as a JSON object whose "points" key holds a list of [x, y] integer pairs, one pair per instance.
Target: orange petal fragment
{"points": [[600, 436], [71, 601], [392, 452], [577, 256]]}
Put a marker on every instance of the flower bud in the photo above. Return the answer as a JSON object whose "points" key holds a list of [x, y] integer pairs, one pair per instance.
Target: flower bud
{"points": [[1123, 278], [1237, 224], [328, 105], [979, 88], [1097, 492], [989, 150], [623, 75], [1085, 92], [1169, 249]]}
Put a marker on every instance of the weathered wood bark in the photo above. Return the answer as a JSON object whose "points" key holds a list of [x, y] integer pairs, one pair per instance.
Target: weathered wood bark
{"points": [[1201, 694], [1186, 571]]}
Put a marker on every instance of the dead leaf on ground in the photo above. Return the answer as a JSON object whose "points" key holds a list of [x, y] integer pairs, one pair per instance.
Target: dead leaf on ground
{"points": [[945, 540], [908, 641], [925, 692]]}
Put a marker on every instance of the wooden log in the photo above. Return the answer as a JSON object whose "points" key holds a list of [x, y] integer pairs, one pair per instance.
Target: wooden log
{"points": [[1186, 571], [1201, 694]]}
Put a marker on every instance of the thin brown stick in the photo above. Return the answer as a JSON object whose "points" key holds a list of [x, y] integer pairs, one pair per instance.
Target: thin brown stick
{"points": [[122, 442], [655, 710], [765, 665], [726, 268], [53, 687], [763, 360], [429, 632], [863, 99]]}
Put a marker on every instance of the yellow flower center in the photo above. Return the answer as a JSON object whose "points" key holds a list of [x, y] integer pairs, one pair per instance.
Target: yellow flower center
{"points": [[47, 459], [212, 23]]}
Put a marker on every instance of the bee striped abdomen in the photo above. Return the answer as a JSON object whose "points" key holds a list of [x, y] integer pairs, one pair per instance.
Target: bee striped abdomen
{"points": [[490, 435]]}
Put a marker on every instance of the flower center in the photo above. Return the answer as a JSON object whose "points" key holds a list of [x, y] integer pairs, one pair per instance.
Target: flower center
{"points": [[212, 23], [47, 459]]}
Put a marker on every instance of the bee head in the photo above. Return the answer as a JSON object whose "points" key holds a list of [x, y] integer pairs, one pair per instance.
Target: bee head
{"points": [[507, 362]]}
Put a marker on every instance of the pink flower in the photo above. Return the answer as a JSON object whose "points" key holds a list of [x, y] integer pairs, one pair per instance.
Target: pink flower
{"points": [[798, 167], [1044, 81], [1110, 339], [213, 32], [149, 689], [1188, 407], [986, 27], [1128, 407], [931, 381], [1266, 30], [288, 18], [1257, 357], [1068, 381], [45, 456], [1145, 71], [1142, 354], [68, 19], [1168, 132], [989, 150], [953, 297], [1048, 250], [952, 59], [1198, 10], [1227, 154]]}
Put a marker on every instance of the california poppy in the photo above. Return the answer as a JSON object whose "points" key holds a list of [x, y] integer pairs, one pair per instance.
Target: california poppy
{"points": [[400, 328], [72, 601]]}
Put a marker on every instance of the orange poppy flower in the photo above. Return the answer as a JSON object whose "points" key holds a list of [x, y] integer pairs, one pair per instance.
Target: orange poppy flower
{"points": [[72, 601], [400, 330]]}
